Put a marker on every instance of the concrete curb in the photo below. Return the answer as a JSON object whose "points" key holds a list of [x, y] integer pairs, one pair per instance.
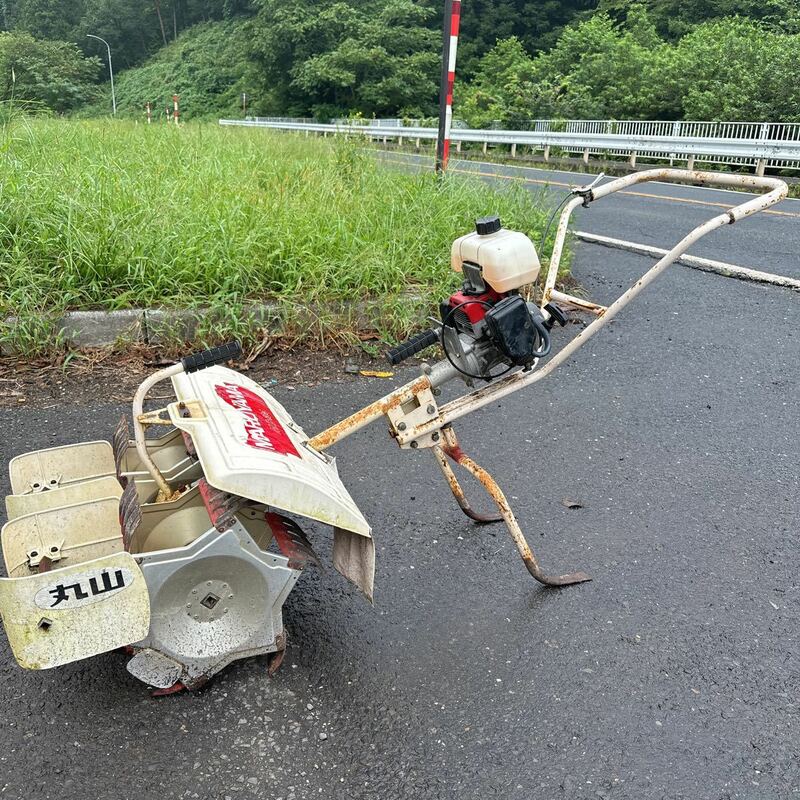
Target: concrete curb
{"points": [[158, 326]]}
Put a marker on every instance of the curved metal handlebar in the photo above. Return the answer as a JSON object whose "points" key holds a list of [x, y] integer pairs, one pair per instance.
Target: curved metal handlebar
{"points": [[776, 191]]}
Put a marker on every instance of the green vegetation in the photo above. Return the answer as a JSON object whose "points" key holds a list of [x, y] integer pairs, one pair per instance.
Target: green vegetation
{"points": [[518, 59], [45, 74], [725, 69], [207, 66], [116, 214]]}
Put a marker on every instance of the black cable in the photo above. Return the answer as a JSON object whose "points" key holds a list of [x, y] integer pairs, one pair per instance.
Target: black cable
{"points": [[446, 323], [544, 334], [550, 221]]}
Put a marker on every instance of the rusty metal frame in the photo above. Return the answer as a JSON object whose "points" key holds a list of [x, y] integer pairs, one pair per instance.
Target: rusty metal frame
{"points": [[452, 448], [432, 429], [458, 492]]}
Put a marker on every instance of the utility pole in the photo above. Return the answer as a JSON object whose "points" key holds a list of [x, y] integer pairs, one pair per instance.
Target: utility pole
{"points": [[452, 18], [110, 71]]}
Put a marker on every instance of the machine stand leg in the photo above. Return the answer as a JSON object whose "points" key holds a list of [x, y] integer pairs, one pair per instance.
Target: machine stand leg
{"points": [[458, 492], [452, 448]]}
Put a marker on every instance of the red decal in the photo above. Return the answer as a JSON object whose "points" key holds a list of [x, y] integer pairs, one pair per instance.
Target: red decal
{"points": [[263, 430]]}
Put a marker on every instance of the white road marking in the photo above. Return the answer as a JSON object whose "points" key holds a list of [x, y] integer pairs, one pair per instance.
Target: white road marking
{"points": [[704, 264]]}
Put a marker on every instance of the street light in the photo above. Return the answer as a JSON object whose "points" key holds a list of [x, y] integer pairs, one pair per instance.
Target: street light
{"points": [[110, 70]]}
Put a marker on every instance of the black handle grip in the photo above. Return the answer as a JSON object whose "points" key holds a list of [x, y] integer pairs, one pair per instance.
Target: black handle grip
{"points": [[416, 344], [214, 355]]}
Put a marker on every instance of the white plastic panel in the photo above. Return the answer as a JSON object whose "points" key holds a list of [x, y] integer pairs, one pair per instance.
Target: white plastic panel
{"points": [[249, 446], [68, 614]]}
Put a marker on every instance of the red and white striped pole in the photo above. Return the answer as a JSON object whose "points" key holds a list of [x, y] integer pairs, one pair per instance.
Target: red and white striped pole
{"points": [[452, 18], [175, 113]]}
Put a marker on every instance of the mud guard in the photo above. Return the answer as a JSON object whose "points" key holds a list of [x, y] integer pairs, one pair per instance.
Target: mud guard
{"points": [[69, 614], [354, 557], [249, 446]]}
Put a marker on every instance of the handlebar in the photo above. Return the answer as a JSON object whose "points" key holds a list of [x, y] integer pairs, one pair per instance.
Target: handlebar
{"points": [[410, 347]]}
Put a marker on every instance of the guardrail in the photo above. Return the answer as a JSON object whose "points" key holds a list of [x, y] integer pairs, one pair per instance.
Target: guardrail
{"points": [[760, 151]]}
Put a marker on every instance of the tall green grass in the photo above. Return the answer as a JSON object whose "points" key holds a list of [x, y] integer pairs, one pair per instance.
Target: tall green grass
{"points": [[116, 214]]}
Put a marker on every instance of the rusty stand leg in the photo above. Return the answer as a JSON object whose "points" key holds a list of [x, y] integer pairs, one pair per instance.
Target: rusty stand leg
{"points": [[458, 492], [453, 449], [276, 658]]}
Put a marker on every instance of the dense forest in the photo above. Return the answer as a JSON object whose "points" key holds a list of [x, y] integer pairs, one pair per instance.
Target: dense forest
{"points": [[518, 59]]}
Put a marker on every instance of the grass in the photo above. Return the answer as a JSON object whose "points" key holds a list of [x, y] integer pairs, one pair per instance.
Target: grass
{"points": [[107, 215]]}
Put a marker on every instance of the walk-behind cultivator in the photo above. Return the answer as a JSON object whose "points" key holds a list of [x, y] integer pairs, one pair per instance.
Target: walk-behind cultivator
{"points": [[182, 549]]}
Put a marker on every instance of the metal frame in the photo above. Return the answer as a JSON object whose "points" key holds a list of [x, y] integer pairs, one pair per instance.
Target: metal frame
{"points": [[416, 420]]}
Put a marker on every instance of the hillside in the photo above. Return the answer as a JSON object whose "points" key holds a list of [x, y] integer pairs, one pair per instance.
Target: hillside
{"points": [[518, 60]]}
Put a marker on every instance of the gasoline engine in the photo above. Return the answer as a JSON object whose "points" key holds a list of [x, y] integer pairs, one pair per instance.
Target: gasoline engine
{"points": [[488, 328]]}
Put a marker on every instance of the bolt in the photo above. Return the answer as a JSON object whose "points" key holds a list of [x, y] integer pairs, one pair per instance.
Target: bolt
{"points": [[188, 605], [435, 436], [194, 591], [414, 445], [431, 409], [401, 426], [436, 392]]}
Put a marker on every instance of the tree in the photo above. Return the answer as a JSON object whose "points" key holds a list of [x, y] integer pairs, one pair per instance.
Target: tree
{"points": [[501, 89], [51, 75], [376, 57], [597, 70], [736, 69], [675, 18]]}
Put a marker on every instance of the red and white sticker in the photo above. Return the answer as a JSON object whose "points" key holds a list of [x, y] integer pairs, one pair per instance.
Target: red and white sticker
{"points": [[261, 427]]}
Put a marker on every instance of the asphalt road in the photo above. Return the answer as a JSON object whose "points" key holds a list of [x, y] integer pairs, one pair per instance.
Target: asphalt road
{"points": [[673, 674]]}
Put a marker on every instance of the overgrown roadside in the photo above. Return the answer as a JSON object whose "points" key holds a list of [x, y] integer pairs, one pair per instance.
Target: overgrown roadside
{"points": [[114, 215]]}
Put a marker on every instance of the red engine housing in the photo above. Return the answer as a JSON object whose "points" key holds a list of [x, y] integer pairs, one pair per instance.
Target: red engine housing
{"points": [[476, 307]]}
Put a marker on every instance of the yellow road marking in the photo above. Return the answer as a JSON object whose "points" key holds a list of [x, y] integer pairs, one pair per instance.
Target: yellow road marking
{"points": [[624, 191]]}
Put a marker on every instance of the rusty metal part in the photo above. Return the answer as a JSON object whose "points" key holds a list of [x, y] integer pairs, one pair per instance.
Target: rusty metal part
{"points": [[458, 492], [130, 513], [174, 689], [453, 449], [276, 658], [369, 414], [577, 302], [140, 420], [221, 506], [291, 541], [120, 442]]}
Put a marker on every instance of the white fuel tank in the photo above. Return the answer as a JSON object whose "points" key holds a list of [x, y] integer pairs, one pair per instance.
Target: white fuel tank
{"points": [[507, 258]]}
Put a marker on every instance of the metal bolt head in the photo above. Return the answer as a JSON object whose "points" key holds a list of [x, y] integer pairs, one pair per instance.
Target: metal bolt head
{"points": [[431, 409], [414, 445], [401, 426], [435, 436]]}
